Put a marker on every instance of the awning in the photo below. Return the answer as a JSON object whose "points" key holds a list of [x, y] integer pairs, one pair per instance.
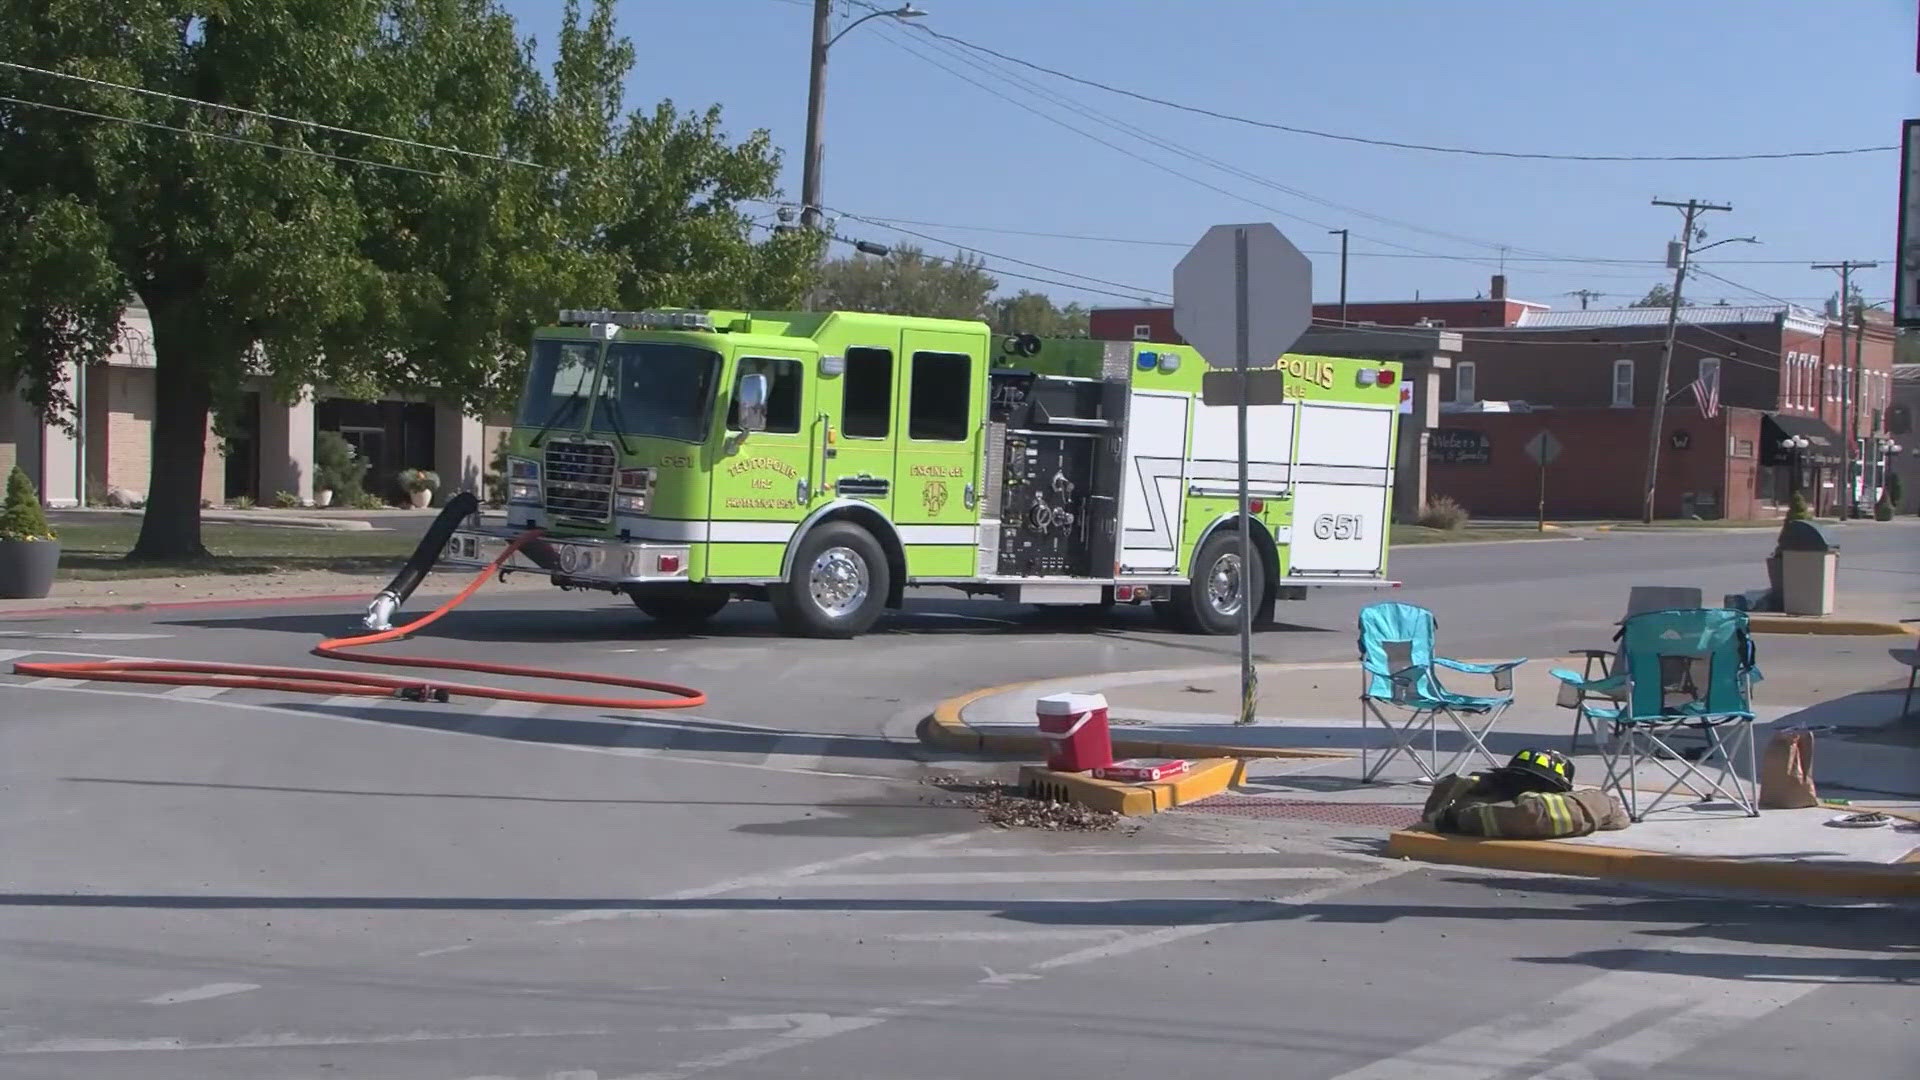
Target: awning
{"points": [[1823, 443]]}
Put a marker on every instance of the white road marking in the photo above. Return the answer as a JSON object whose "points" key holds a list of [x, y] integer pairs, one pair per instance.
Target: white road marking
{"points": [[276, 1041], [199, 993], [1067, 877], [1141, 851], [798, 753], [82, 635], [802, 1036], [444, 950], [1691, 1009], [194, 692], [769, 879], [10, 654], [500, 719]]}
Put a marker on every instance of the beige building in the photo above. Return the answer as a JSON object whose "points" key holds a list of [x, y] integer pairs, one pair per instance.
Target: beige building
{"points": [[110, 444]]}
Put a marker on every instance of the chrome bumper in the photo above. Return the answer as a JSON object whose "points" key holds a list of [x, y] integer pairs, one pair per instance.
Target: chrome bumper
{"points": [[607, 562]]}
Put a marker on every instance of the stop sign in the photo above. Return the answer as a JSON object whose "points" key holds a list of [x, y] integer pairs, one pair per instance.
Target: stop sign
{"points": [[1243, 278]]}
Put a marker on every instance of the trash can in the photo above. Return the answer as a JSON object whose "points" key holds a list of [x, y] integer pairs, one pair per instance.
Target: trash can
{"points": [[1809, 560], [1075, 727]]}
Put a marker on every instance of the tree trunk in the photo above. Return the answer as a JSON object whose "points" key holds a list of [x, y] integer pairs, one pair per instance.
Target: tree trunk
{"points": [[183, 354]]}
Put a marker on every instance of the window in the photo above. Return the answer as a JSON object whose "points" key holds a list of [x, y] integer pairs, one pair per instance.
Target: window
{"points": [[1464, 382], [783, 393], [1142, 332], [1623, 384], [1710, 371], [866, 394], [941, 398]]}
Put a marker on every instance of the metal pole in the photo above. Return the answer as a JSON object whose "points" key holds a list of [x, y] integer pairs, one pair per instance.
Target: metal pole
{"points": [[1543, 489], [1860, 419], [1343, 273], [1249, 681], [1692, 207], [1850, 386], [816, 110]]}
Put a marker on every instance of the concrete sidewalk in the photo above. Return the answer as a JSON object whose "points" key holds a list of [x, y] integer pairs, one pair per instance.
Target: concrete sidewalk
{"points": [[1301, 761]]}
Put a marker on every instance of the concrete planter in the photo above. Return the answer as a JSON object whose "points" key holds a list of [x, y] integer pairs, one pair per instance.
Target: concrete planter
{"points": [[323, 498], [420, 499], [26, 568]]}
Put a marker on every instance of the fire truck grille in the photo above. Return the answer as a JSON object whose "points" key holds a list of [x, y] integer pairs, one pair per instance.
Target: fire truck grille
{"points": [[579, 479]]}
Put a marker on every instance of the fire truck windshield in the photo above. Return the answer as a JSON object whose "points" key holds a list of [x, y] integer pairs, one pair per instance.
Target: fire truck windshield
{"points": [[651, 389]]}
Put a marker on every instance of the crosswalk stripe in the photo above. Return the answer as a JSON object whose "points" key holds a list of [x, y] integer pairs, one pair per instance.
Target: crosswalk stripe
{"points": [[201, 692], [1066, 877], [1666, 1039], [798, 753]]}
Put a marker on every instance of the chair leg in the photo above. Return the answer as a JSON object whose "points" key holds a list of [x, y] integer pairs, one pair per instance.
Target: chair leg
{"points": [[1906, 703]]}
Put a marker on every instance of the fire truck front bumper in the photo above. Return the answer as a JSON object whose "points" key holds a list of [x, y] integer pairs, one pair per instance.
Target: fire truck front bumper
{"points": [[581, 560]]}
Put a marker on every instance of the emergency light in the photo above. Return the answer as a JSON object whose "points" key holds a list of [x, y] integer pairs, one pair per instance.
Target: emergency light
{"points": [[644, 320], [1375, 377]]}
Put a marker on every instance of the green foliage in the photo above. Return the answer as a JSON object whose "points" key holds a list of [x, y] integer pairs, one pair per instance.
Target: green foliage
{"points": [[334, 258], [1443, 512], [243, 502], [497, 473], [1883, 510], [367, 501], [285, 500], [1658, 296], [414, 481], [22, 518], [1797, 509], [909, 282], [337, 467], [1029, 312]]}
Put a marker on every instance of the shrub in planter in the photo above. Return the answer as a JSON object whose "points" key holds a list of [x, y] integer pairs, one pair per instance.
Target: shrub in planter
{"points": [[1883, 510], [338, 471], [1444, 513], [420, 484], [1797, 508], [29, 549]]}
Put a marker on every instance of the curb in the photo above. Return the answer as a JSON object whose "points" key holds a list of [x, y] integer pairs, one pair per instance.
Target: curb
{"points": [[1633, 864], [1205, 779], [945, 729], [130, 606], [1821, 624]]}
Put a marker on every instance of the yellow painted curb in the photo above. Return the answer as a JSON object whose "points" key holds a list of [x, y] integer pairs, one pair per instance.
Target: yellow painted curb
{"points": [[945, 729], [1631, 864], [1204, 779], [1819, 624]]}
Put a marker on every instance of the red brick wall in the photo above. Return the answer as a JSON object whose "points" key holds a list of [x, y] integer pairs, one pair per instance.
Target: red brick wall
{"points": [[1602, 464], [1116, 324]]}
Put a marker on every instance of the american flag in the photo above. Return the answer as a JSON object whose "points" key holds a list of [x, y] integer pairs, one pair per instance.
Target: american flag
{"points": [[1706, 394]]}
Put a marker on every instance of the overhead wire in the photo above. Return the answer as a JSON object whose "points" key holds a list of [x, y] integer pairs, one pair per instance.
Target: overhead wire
{"points": [[1371, 141], [257, 114], [999, 272]]}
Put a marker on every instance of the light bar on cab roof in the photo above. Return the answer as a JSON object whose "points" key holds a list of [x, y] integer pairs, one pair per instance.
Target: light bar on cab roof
{"points": [[647, 320]]}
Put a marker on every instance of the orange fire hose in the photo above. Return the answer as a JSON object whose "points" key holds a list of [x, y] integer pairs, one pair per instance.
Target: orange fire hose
{"points": [[324, 681]]}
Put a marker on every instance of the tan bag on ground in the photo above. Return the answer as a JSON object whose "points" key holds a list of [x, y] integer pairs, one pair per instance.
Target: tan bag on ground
{"points": [[1786, 772]]}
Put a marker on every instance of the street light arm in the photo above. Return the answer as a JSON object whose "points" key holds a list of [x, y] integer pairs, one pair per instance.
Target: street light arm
{"points": [[1728, 240], [907, 11]]}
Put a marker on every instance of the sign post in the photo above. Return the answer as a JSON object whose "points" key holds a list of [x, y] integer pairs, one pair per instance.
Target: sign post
{"points": [[1243, 294], [1543, 448]]}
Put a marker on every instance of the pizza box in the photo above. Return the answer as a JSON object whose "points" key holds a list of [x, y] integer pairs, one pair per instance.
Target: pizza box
{"points": [[1139, 770]]}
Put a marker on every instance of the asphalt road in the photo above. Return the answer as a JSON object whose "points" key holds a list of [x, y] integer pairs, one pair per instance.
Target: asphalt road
{"points": [[268, 886]]}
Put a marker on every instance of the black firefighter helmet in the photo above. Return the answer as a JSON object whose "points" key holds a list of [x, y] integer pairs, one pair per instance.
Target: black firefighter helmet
{"points": [[1549, 769]]}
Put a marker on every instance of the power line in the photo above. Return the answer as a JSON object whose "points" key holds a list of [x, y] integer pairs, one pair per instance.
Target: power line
{"points": [[1389, 143], [230, 138], [988, 254], [998, 272], [269, 116]]}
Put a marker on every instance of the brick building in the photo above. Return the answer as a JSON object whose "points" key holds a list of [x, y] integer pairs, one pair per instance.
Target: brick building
{"points": [[1588, 378], [1494, 309]]}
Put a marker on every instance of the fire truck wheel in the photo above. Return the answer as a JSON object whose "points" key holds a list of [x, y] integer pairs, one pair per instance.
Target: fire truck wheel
{"points": [[838, 585], [1211, 605], [689, 608]]}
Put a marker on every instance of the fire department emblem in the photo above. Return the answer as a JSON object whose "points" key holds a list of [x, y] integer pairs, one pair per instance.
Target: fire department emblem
{"points": [[934, 497]]}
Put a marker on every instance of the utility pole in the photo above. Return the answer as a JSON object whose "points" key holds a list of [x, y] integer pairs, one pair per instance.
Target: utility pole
{"points": [[1342, 233], [1693, 209], [1850, 395], [1585, 295], [816, 112]]}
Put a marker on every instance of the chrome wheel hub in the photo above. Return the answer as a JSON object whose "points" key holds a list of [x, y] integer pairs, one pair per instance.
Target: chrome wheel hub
{"points": [[1224, 587], [838, 581]]}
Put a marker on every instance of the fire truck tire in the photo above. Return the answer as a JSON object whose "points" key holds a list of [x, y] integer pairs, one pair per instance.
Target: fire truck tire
{"points": [[1211, 604], [682, 609], [838, 586]]}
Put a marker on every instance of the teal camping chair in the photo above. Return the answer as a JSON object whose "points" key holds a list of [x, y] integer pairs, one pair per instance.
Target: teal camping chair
{"points": [[1399, 670], [1688, 669]]}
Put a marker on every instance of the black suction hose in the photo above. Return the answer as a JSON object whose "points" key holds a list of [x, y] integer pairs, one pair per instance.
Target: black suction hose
{"points": [[425, 554]]}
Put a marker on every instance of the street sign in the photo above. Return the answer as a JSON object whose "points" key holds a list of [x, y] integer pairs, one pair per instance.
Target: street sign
{"points": [[1242, 296], [1264, 386], [1275, 279], [1543, 448], [1906, 264]]}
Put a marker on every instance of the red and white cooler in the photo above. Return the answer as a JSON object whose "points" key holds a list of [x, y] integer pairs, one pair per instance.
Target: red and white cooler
{"points": [[1075, 727]]}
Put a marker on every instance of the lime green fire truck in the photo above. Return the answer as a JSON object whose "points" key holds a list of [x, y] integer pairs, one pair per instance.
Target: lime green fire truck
{"points": [[826, 461]]}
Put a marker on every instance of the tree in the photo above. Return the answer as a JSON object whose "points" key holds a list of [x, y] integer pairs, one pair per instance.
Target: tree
{"points": [[1029, 312], [907, 281], [1658, 296], [1856, 303], [317, 255]]}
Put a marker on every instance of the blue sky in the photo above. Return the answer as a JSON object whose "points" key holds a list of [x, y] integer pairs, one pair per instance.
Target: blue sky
{"points": [[909, 141]]}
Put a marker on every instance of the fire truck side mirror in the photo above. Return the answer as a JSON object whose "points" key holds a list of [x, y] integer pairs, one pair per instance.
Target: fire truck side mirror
{"points": [[752, 401]]}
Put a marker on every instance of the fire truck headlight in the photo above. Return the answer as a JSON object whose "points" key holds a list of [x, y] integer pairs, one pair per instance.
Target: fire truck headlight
{"points": [[523, 481], [630, 504]]}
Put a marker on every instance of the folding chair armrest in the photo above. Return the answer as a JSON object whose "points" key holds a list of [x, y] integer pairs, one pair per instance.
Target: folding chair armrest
{"points": [[1574, 689], [1502, 672], [1592, 654]]}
